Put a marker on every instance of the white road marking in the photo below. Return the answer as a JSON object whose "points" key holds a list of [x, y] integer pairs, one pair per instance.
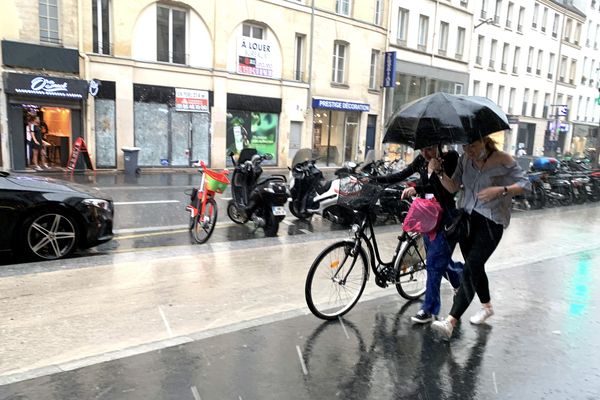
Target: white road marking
{"points": [[344, 328], [304, 370], [226, 198], [290, 223], [494, 379], [127, 203], [305, 231], [164, 318], [195, 393]]}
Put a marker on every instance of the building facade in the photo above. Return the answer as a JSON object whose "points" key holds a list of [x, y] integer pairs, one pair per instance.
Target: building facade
{"points": [[195, 80]]}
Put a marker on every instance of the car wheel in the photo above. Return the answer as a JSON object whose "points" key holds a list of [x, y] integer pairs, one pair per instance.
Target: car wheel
{"points": [[49, 235]]}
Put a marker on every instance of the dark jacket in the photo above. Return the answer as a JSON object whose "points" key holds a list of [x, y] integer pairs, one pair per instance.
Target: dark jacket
{"points": [[427, 184]]}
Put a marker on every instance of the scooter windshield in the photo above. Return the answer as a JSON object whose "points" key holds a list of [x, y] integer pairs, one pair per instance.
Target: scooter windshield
{"points": [[301, 156]]}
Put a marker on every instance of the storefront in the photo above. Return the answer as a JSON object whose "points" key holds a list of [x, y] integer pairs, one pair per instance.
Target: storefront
{"points": [[413, 81], [555, 139], [253, 122], [584, 140], [58, 102], [171, 125], [105, 125], [336, 129]]}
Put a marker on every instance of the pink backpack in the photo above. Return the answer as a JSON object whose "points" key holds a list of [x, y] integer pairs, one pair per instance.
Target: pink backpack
{"points": [[423, 216]]}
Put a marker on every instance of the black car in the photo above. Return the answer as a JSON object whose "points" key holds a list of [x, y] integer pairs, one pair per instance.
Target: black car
{"points": [[45, 218]]}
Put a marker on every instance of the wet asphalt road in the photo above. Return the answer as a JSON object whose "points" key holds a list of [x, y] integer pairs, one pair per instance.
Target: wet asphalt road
{"points": [[541, 344]]}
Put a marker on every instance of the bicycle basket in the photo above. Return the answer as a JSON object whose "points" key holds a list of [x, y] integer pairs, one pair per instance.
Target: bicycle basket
{"points": [[355, 194], [216, 181]]}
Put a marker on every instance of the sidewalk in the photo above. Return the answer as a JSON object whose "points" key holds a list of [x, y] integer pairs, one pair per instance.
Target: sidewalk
{"points": [[148, 177], [89, 310]]}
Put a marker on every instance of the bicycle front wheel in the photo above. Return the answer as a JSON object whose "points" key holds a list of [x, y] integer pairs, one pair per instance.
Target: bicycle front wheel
{"points": [[336, 280], [410, 267], [204, 224]]}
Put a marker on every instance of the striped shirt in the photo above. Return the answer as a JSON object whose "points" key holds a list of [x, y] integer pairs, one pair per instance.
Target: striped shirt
{"points": [[473, 180]]}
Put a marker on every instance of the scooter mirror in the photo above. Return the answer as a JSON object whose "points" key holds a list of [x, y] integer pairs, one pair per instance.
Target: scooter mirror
{"points": [[268, 156]]}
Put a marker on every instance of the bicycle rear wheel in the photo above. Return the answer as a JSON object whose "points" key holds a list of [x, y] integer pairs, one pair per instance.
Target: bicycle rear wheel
{"points": [[204, 225], [336, 280], [410, 267]]}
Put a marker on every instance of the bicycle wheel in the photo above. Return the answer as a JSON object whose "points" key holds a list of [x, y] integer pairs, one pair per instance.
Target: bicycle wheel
{"points": [[410, 267], [336, 280], [205, 224]]}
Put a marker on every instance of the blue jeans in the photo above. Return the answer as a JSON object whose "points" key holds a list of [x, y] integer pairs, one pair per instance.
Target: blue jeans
{"points": [[439, 264]]}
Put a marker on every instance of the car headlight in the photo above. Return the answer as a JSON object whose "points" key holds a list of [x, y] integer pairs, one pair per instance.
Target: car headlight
{"points": [[103, 204]]}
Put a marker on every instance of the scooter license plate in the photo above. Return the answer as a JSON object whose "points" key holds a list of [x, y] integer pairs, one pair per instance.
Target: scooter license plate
{"points": [[547, 185], [278, 210]]}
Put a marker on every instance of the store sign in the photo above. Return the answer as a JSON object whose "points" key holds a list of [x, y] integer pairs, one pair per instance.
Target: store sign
{"points": [[94, 87], [191, 100], [389, 71], [46, 86], [255, 57], [562, 110], [340, 105]]}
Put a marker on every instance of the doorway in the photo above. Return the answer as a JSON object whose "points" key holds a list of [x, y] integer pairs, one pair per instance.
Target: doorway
{"points": [[295, 139]]}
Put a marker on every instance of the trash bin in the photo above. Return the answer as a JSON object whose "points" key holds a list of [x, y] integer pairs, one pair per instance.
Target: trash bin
{"points": [[131, 159]]}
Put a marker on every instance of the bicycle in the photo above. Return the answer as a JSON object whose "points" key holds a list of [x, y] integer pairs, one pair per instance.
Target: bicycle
{"points": [[336, 267], [203, 207]]}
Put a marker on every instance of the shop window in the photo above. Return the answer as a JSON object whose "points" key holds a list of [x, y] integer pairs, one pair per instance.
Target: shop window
{"points": [[339, 62], [105, 129], [101, 26], [171, 35], [252, 129], [49, 21]]}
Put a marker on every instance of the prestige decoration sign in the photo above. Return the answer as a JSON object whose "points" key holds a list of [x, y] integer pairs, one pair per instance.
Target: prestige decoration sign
{"points": [[340, 105]]}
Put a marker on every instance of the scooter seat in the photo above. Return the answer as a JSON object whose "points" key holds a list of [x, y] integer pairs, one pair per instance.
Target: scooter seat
{"points": [[266, 178], [324, 187]]}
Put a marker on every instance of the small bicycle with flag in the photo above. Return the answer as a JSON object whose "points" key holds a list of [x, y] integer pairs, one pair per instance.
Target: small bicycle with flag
{"points": [[203, 206]]}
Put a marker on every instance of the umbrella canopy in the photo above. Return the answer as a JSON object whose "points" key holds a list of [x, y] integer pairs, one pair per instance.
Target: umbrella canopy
{"points": [[442, 118]]}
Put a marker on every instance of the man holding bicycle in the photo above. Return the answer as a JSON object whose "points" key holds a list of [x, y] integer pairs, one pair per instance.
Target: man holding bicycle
{"points": [[439, 250]]}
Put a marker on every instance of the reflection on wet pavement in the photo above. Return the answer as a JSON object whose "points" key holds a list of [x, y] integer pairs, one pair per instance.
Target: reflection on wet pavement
{"points": [[541, 344]]}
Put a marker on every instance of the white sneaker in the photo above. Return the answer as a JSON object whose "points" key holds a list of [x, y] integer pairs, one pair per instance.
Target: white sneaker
{"points": [[38, 168], [443, 328], [482, 315]]}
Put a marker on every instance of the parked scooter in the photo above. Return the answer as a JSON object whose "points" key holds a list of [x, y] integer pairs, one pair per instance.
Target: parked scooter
{"points": [[559, 190], [312, 194], [256, 197], [306, 182]]}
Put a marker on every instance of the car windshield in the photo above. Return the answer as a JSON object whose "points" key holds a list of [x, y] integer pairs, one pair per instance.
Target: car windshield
{"points": [[301, 156]]}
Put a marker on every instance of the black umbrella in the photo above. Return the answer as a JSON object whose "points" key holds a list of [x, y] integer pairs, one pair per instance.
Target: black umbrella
{"points": [[442, 118]]}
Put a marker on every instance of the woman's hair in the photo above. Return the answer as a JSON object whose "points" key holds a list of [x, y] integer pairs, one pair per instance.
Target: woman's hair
{"points": [[490, 144]]}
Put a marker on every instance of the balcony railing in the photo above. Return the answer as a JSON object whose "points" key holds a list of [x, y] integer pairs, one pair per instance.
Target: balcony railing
{"points": [[519, 28], [491, 64], [478, 60], [515, 69]]}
